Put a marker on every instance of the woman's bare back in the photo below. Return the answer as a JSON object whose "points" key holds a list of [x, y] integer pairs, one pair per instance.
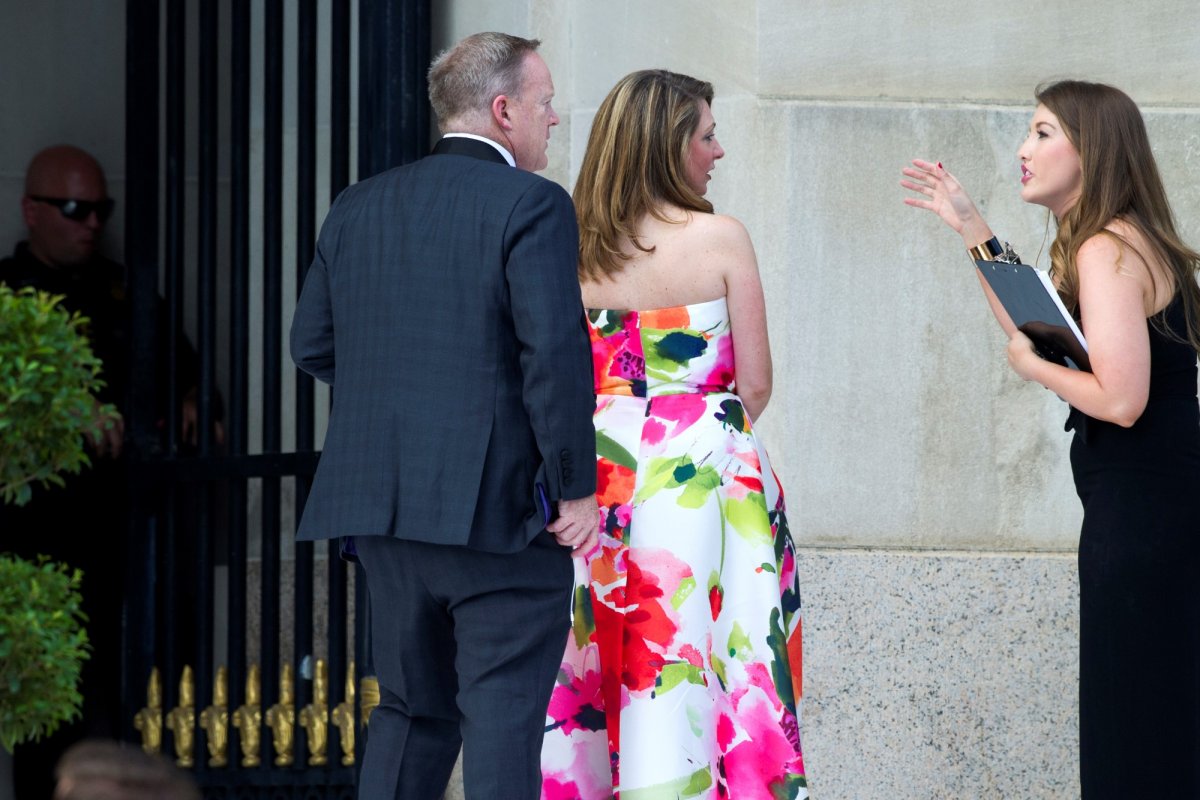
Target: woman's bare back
{"points": [[688, 264]]}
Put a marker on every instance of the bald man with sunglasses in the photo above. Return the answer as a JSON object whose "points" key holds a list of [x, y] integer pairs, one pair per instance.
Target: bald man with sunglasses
{"points": [[65, 208]]}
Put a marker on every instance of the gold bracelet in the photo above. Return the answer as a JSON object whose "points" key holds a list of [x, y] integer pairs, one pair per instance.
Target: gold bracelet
{"points": [[986, 251]]}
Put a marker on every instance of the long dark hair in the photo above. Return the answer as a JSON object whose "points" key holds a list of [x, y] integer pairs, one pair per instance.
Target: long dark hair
{"points": [[634, 164], [1120, 181]]}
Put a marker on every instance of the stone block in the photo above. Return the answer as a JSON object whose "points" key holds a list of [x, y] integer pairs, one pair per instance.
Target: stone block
{"points": [[940, 675]]}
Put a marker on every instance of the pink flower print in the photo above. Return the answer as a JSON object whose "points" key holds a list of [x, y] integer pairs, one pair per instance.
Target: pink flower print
{"points": [[681, 409], [759, 677], [791, 729], [575, 703], [743, 485], [653, 432], [722, 373], [760, 756], [553, 789], [725, 732], [787, 570], [628, 365], [691, 655]]}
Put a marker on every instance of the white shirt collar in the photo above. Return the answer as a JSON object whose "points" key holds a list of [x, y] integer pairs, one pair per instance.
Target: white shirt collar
{"points": [[504, 152]]}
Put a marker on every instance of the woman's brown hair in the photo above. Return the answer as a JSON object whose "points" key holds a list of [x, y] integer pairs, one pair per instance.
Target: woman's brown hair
{"points": [[1120, 181], [634, 165]]}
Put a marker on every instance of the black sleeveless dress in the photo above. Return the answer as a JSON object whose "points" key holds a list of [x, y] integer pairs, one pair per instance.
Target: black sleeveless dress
{"points": [[1139, 585]]}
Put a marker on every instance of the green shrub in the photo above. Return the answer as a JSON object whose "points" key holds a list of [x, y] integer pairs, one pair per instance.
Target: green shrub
{"points": [[48, 381], [42, 648]]}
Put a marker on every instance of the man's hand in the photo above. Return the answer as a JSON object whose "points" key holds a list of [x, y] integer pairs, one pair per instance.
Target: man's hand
{"points": [[189, 416], [109, 433], [577, 525]]}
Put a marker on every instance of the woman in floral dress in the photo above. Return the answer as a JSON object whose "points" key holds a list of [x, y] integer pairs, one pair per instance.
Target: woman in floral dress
{"points": [[681, 678]]}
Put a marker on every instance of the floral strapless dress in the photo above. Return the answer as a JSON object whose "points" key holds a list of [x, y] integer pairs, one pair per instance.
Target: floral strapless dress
{"points": [[681, 677]]}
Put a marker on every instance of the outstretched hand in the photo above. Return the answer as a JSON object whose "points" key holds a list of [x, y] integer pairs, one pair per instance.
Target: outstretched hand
{"points": [[942, 194], [577, 525]]}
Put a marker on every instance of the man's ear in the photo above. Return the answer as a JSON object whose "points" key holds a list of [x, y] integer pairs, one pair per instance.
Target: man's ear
{"points": [[500, 112], [27, 211]]}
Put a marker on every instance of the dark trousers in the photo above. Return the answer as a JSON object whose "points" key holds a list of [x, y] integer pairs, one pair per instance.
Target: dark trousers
{"points": [[466, 647]]}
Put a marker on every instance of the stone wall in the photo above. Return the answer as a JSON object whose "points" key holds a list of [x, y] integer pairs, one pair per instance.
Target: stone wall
{"points": [[928, 486]]}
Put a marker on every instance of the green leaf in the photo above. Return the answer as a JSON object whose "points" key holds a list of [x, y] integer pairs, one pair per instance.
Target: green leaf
{"points": [[609, 449], [44, 648], [48, 385], [739, 644], [749, 518], [674, 674], [686, 587]]}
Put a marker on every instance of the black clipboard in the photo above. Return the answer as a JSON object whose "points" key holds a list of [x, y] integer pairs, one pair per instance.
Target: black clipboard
{"points": [[1035, 308]]}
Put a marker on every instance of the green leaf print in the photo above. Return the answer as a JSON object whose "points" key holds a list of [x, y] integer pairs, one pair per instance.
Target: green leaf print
{"points": [[695, 722], [671, 473], [584, 624], [781, 671], [674, 674], [699, 487], [683, 473], [668, 350], [733, 415], [701, 782], [686, 587], [718, 667], [694, 785], [749, 518], [658, 474], [739, 644], [608, 449], [680, 346]]}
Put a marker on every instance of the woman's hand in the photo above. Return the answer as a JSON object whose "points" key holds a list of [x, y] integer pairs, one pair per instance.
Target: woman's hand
{"points": [[1021, 355], [944, 195]]}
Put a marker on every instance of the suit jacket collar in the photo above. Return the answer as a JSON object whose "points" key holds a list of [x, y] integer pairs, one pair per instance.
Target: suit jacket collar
{"points": [[473, 148]]}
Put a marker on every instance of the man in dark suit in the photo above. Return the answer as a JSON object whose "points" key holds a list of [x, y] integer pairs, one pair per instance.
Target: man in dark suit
{"points": [[444, 307]]}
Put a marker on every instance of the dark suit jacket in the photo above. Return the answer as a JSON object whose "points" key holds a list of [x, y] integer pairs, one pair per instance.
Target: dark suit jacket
{"points": [[444, 308]]}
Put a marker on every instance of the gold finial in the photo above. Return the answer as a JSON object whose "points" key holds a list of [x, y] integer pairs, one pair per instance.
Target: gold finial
{"points": [[281, 718], [343, 717], [149, 720], [248, 720], [315, 717], [369, 690], [215, 720], [182, 721]]}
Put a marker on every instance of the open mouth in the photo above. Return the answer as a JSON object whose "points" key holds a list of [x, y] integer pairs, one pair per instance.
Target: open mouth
{"points": [[1025, 174]]}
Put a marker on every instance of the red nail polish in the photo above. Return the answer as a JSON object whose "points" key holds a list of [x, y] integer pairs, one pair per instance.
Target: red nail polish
{"points": [[940, 165]]}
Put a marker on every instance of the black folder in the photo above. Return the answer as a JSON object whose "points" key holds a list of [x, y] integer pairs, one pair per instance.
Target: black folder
{"points": [[1035, 308]]}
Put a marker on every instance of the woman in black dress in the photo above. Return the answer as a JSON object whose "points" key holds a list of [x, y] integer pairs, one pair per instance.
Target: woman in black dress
{"points": [[1124, 273]]}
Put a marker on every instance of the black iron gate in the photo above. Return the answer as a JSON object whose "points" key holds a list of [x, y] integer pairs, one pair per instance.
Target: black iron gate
{"points": [[238, 641]]}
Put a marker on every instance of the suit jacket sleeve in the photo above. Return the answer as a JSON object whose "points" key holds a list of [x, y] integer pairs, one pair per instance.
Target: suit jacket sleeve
{"points": [[542, 250], [311, 337]]}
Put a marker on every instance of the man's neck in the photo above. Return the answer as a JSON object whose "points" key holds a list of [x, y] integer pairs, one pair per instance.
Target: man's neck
{"points": [[508, 156], [40, 255]]}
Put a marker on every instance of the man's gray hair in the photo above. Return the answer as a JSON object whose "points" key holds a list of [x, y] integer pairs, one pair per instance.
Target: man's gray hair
{"points": [[465, 79]]}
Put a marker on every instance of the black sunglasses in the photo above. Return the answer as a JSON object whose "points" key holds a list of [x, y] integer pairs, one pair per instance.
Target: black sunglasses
{"points": [[79, 210]]}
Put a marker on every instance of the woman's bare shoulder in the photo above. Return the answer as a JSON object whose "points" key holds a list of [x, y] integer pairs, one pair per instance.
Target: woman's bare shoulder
{"points": [[717, 232], [1120, 243]]}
